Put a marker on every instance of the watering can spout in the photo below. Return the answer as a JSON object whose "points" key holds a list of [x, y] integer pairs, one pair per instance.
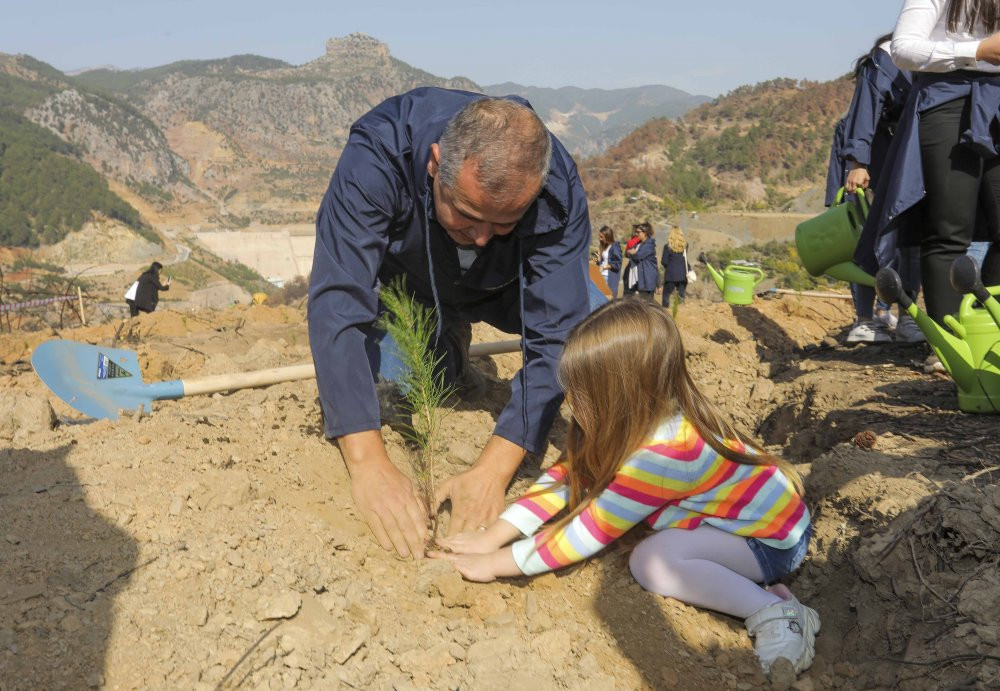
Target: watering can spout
{"points": [[954, 351], [716, 276]]}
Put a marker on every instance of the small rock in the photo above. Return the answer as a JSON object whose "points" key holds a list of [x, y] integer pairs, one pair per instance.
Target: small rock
{"points": [[456, 651], [503, 619], [143, 439], [199, 615], [177, 505], [452, 589], [804, 684], [282, 607], [782, 674], [352, 645], [530, 605]]}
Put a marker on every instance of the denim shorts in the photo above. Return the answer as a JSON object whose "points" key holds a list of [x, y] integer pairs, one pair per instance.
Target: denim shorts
{"points": [[776, 563]]}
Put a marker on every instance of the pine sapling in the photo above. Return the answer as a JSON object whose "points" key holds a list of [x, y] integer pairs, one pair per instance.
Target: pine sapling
{"points": [[412, 326]]}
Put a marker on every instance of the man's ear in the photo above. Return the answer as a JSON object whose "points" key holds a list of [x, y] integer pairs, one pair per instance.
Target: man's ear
{"points": [[434, 161]]}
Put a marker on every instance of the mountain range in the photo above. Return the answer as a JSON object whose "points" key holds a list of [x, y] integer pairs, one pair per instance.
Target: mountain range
{"points": [[254, 139]]}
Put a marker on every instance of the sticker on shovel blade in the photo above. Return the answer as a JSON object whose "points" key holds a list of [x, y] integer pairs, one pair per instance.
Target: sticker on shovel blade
{"points": [[106, 369]]}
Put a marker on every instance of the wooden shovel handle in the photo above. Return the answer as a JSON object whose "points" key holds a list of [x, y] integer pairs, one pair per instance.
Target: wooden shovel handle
{"points": [[277, 375]]}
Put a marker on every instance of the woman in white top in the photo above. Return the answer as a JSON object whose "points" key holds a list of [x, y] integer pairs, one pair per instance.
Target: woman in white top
{"points": [[953, 48]]}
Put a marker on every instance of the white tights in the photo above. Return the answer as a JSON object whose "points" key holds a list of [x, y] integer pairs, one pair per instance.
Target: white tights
{"points": [[705, 567]]}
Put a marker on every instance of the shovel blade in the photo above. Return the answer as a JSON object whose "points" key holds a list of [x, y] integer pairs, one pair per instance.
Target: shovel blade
{"points": [[97, 381]]}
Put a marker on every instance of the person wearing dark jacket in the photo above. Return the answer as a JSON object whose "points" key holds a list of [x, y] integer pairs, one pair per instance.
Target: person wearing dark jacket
{"points": [[481, 209], [147, 293], [860, 144], [642, 260], [609, 258], [675, 266]]}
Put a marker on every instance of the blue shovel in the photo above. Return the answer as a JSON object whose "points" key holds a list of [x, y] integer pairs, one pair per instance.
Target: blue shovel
{"points": [[100, 381]]}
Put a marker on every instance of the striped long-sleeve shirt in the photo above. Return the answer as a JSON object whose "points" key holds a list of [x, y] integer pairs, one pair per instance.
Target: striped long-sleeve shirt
{"points": [[675, 480]]}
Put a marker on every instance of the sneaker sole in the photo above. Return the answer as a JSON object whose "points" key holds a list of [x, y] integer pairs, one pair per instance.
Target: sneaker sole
{"points": [[811, 628]]}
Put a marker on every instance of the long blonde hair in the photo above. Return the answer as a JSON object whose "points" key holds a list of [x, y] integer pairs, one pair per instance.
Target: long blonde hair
{"points": [[623, 370], [675, 241]]}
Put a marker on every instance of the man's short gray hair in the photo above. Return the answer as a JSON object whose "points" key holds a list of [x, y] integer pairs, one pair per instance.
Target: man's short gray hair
{"points": [[506, 141]]}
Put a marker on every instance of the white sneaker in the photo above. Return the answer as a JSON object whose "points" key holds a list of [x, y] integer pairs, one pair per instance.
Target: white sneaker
{"points": [[787, 630], [933, 364], [908, 331], [887, 318], [869, 332]]}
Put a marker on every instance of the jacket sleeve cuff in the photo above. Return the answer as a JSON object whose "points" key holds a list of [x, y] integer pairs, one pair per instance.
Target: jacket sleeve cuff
{"points": [[527, 558], [965, 53], [522, 519]]}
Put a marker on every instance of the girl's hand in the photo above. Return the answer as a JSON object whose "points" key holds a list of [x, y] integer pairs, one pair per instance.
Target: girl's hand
{"points": [[471, 542], [482, 568], [483, 541]]}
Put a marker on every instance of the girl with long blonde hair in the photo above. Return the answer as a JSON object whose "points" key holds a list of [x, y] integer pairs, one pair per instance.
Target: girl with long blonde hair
{"points": [[675, 265], [728, 517]]}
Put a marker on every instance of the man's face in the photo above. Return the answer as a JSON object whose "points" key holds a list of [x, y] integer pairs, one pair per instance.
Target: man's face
{"points": [[469, 215]]}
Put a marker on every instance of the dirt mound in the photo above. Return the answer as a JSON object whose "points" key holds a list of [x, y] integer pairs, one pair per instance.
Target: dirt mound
{"points": [[214, 543]]}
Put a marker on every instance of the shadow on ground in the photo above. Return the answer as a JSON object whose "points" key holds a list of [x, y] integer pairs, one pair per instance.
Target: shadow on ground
{"points": [[62, 565]]}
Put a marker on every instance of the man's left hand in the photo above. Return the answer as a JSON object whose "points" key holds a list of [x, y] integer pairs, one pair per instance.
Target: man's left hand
{"points": [[477, 494]]}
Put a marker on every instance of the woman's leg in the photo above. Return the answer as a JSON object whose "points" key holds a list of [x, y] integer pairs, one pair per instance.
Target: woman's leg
{"points": [[705, 567], [952, 178], [668, 288], [682, 289], [864, 302]]}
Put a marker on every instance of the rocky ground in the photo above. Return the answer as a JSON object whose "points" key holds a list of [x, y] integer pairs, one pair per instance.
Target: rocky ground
{"points": [[213, 543]]}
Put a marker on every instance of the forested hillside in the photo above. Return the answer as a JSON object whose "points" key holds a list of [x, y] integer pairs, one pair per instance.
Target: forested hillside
{"points": [[757, 146], [46, 190]]}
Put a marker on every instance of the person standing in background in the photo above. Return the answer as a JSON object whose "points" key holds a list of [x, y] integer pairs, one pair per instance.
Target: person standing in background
{"points": [[675, 265], [861, 142], [643, 257], [609, 259], [945, 150]]}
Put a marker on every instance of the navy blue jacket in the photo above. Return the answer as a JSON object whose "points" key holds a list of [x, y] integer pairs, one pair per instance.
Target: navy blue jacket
{"points": [[615, 257], [147, 294], [377, 221], [674, 267], [903, 186], [864, 134], [644, 260]]}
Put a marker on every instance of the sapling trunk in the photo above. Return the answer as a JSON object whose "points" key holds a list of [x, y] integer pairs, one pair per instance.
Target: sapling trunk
{"points": [[412, 326]]}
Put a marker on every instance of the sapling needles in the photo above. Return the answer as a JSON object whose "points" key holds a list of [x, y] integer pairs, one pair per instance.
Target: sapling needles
{"points": [[412, 326]]}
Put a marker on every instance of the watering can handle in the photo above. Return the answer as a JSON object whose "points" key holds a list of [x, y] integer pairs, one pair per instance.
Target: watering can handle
{"points": [[862, 200], [760, 274]]}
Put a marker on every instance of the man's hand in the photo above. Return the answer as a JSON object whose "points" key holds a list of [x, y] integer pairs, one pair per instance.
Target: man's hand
{"points": [[857, 179], [989, 50], [385, 497], [477, 495]]}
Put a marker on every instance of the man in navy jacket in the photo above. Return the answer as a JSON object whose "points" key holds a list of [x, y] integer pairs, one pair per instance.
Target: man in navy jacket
{"points": [[481, 209]]}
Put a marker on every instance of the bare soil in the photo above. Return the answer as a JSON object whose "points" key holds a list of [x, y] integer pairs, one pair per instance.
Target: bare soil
{"points": [[214, 543]]}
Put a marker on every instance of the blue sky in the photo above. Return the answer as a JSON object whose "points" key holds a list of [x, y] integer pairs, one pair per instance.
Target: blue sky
{"points": [[698, 46]]}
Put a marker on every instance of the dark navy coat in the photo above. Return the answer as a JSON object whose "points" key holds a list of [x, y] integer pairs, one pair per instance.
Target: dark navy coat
{"points": [[644, 260], [674, 267], [899, 191], [147, 293], [864, 134], [615, 257], [377, 221]]}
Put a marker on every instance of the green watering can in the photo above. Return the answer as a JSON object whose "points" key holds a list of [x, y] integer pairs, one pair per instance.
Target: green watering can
{"points": [[737, 281], [827, 242], [971, 351]]}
